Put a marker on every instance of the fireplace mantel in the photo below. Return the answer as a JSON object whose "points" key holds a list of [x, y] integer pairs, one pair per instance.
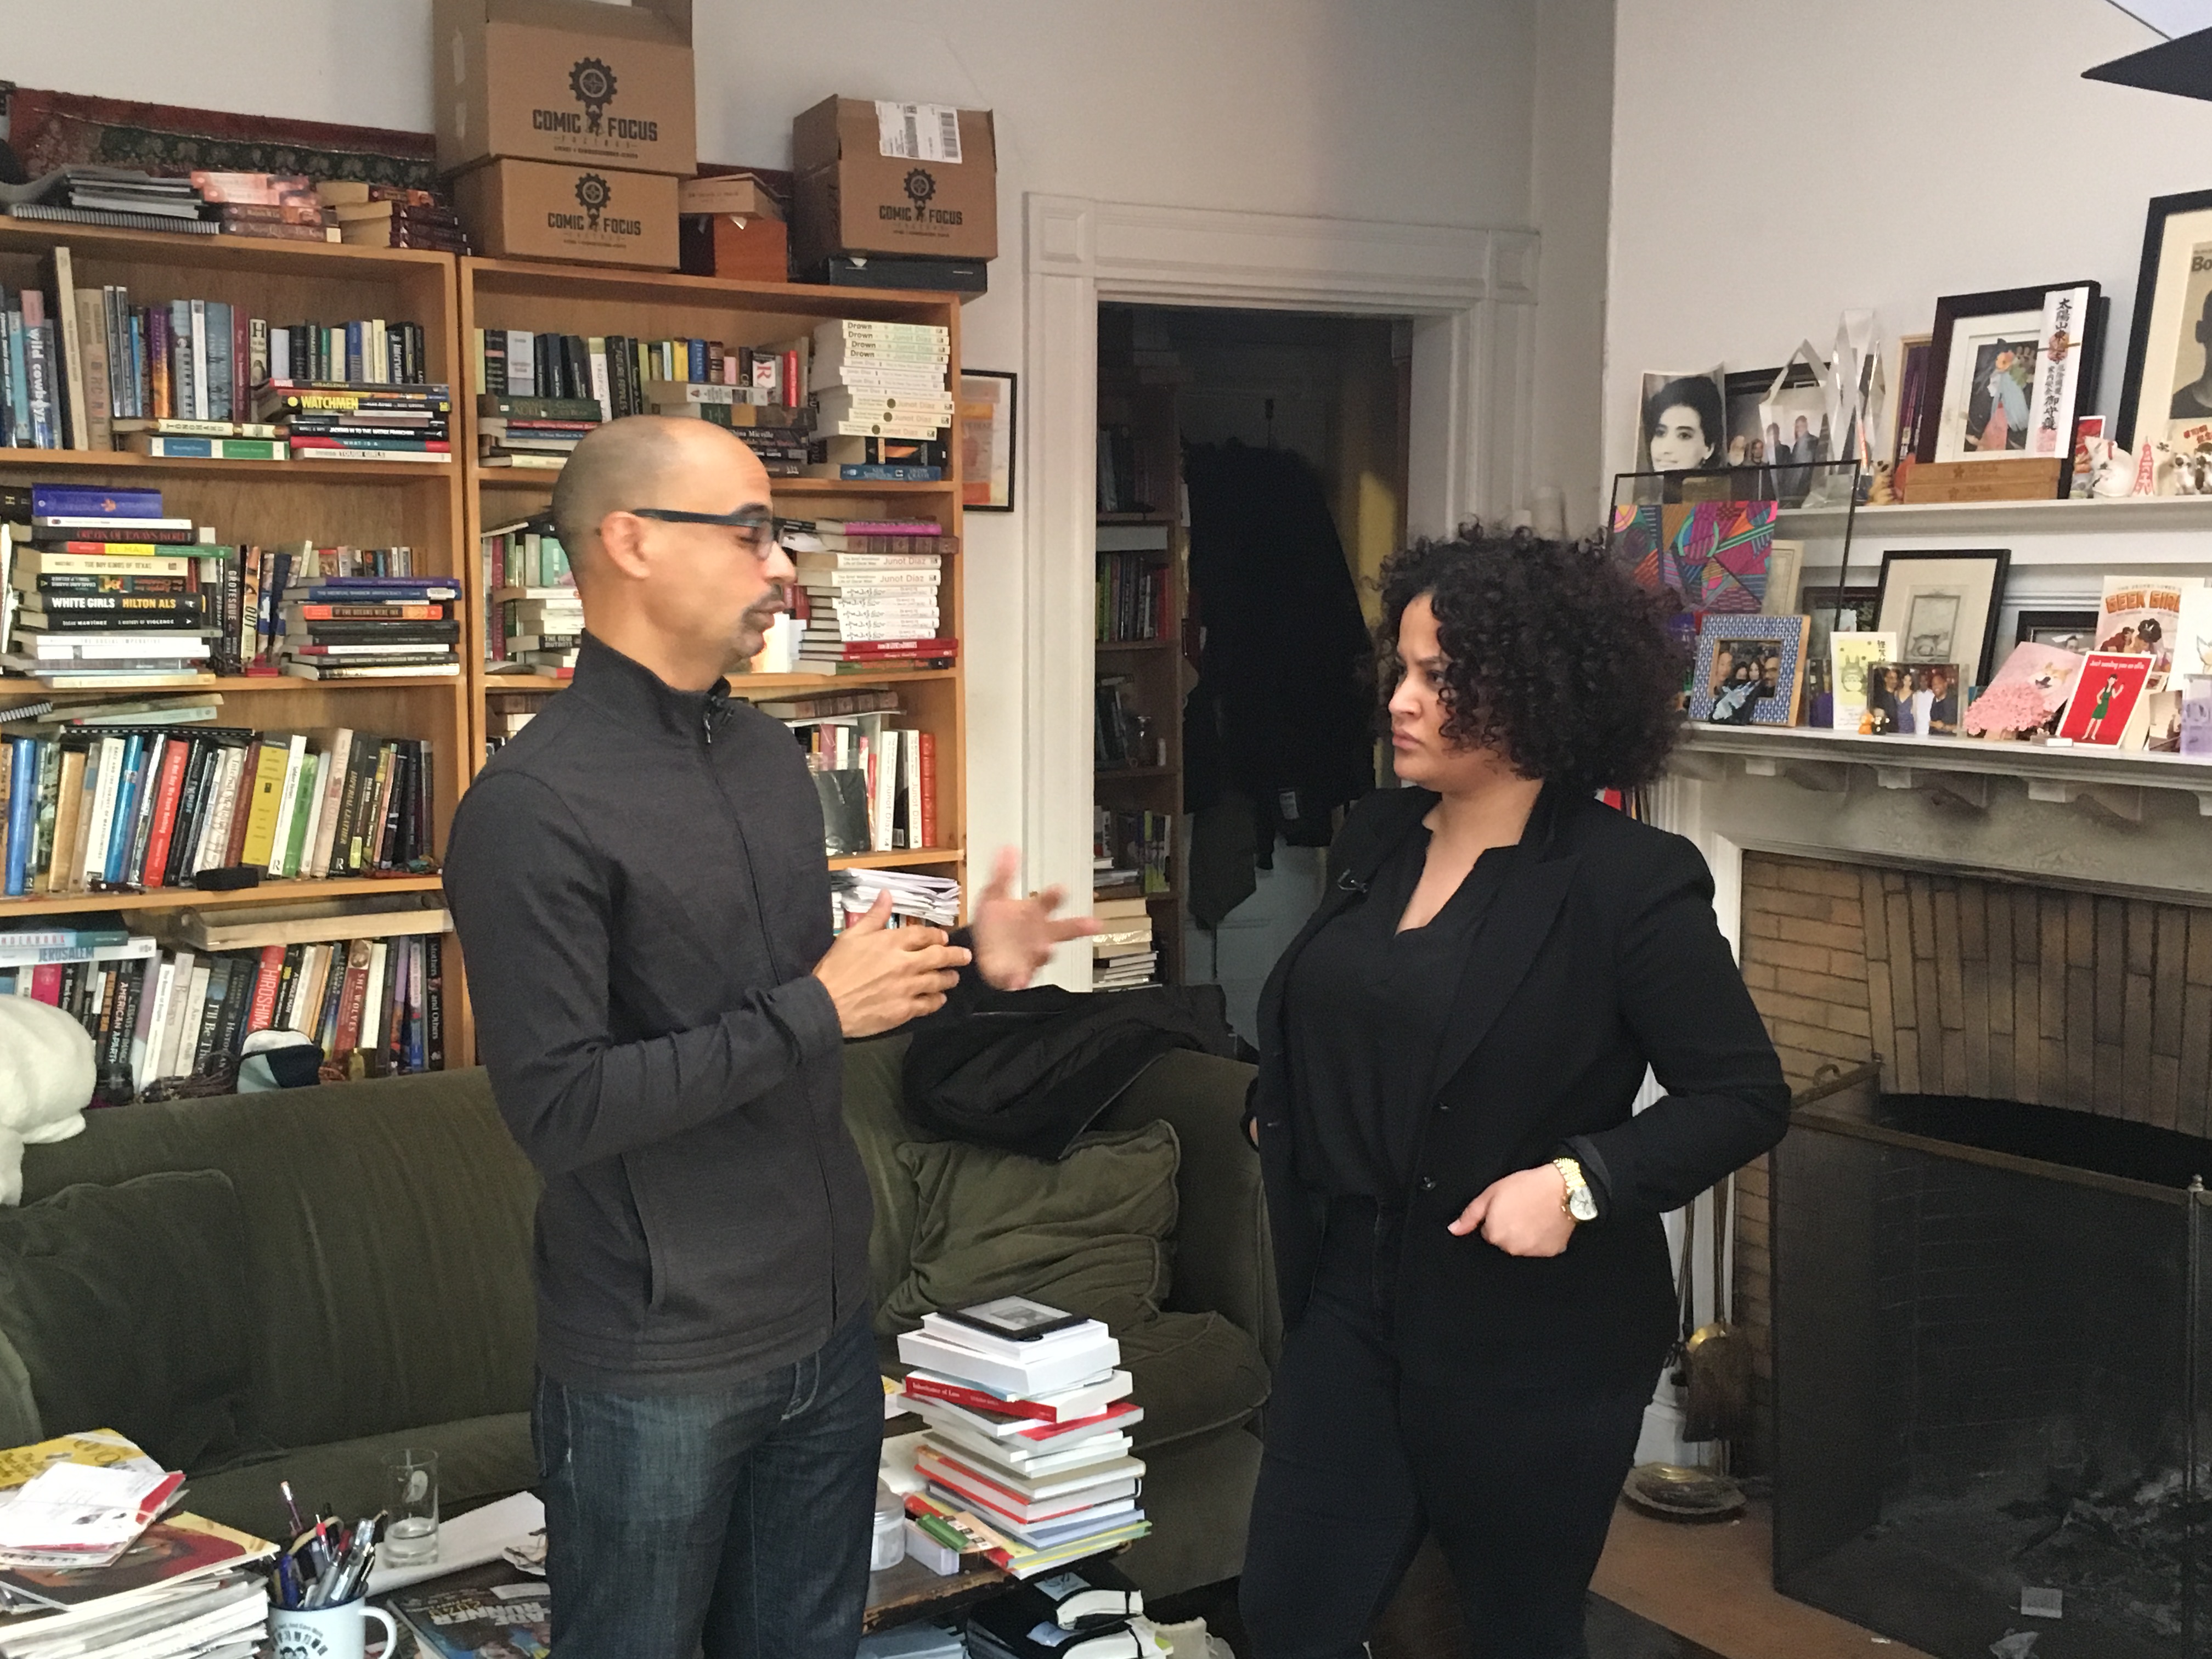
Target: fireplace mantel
{"points": [[2133, 824]]}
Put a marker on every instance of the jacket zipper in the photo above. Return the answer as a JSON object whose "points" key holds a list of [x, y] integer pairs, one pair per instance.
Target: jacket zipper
{"points": [[710, 715]]}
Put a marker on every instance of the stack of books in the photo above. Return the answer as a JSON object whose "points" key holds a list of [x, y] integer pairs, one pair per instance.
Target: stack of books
{"points": [[99, 809], [99, 587], [864, 606], [1123, 954], [391, 215], [251, 589], [184, 1587], [122, 197], [772, 431], [274, 206], [505, 713], [881, 401], [933, 901], [540, 627], [531, 432], [370, 627], [359, 420], [1028, 1435]]}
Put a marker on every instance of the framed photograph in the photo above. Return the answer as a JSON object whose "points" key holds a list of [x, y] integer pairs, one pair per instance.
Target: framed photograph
{"points": [[2169, 373], [1943, 606], [2008, 370], [1744, 390], [1685, 422], [2063, 630], [2107, 695], [1911, 699], [987, 441], [2143, 614], [1750, 670]]}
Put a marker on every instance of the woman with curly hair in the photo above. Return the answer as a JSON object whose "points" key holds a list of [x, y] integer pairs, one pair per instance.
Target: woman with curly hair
{"points": [[1466, 1209]]}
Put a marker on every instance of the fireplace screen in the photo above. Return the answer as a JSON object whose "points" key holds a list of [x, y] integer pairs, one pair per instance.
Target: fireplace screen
{"points": [[1987, 1319]]}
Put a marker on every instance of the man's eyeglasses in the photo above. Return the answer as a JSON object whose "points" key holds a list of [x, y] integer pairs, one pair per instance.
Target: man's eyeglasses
{"points": [[755, 530]]}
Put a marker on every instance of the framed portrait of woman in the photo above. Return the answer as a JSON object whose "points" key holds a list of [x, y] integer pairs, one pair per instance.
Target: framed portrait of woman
{"points": [[2008, 370], [1683, 422], [2168, 385]]}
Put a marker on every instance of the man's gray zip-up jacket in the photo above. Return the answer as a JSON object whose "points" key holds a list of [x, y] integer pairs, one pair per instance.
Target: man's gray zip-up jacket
{"points": [[639, 884]]}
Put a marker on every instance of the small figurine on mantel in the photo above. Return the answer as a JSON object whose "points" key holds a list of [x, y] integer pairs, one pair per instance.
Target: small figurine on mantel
{"points": [[1883, 492]]}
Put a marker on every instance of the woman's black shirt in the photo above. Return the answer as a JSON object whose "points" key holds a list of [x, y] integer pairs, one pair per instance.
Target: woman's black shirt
{"points": [[1367, 1006]]}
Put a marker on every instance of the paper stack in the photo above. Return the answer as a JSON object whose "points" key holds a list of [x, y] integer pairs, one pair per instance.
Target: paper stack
{"points": [[178, 1588], [1028, 1442]]}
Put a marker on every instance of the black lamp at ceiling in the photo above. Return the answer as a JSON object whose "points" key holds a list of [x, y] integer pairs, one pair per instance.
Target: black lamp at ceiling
{"points": [[2182, 66]]}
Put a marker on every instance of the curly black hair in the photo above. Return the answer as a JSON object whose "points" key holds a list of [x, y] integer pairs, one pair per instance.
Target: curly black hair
{"points": [[1553, 656]]}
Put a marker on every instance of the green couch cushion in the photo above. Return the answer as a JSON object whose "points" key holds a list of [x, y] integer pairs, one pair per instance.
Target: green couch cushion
{"points": [[1088, 1233], [479, 1459], [879, 1128], [128, 1306], [388, 1237]]}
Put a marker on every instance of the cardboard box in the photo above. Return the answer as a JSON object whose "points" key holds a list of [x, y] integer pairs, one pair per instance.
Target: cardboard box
{"points": [[753, 250], [573, 80], [586, 215], [744, 193], [874, 178]]}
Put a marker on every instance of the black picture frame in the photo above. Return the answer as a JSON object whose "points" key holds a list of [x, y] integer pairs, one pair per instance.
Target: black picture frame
{"points": [[1953, 309], [2032, 623], [2161, 209], [1999, 561]]}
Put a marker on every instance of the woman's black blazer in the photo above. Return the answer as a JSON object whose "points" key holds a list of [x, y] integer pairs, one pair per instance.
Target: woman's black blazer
{"points": [[1600, 955]]}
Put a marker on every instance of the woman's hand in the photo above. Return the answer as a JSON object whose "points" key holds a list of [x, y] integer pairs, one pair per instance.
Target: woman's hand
{"points": [[1523, 1214]]}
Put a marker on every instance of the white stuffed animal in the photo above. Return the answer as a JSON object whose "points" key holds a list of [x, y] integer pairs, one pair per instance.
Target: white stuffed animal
{"points": [[47, 1079]]}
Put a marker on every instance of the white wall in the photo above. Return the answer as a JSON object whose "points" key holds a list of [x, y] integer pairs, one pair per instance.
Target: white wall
{"points": [[1570, 178], [1411, 110], [1774, 165]]}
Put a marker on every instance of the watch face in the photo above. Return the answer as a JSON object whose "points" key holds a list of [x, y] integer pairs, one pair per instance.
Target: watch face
{"points": [[1581, 1205]]}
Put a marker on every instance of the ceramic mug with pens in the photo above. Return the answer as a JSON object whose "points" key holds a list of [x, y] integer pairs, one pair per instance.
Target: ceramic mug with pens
{"points": [[340, 1633]]}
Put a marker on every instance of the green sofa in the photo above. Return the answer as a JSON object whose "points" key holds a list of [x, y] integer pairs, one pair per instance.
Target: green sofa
{"points": [[381, 1248]]}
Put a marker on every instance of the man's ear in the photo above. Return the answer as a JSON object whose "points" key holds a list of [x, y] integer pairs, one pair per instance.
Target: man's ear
{"points": [[621, 543]]}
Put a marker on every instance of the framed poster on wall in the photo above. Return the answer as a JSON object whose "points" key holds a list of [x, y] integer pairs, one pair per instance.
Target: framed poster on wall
{"points": [[987, 441]]}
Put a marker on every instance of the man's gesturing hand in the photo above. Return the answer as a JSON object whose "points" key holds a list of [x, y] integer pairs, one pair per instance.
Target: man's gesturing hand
{"points": [[1014, 937], [880, 976]]}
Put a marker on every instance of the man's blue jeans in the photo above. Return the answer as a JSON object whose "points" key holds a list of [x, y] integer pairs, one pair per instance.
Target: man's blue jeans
{"points": [[737, 1519]]}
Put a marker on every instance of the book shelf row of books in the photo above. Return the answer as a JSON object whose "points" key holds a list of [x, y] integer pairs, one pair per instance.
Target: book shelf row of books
{"points": [[1130, 851], [1122, 735], [130, 809], [374, 1006], [852, 401], [1136, 599], [877, 782], [87, 368], [76, 612]]}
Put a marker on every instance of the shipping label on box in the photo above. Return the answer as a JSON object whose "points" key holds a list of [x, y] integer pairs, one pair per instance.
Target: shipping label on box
{"points": [[572, 80], [913, 179], [539, 210]]}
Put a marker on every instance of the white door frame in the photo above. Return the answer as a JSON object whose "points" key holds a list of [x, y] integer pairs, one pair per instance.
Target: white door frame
{"points": [[1472, 294]]}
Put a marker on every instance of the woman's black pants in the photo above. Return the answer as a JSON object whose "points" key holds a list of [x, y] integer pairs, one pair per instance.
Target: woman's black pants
{"points": [[1362, 1463]]}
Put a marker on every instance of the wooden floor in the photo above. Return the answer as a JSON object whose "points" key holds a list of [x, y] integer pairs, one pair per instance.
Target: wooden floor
{"points": [[1713, 1584]]}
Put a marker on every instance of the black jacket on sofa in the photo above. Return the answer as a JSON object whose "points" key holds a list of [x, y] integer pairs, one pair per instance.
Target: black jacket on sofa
{"points": [[640, 888], [1599, 957]]}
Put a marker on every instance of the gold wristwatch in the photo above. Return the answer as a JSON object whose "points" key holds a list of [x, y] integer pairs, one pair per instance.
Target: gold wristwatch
{"points": [[1578, 1202]]}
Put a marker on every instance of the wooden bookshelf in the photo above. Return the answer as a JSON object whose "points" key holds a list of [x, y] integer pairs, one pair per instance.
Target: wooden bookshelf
{"points": [[361, 504], [496, 293], [1155, 667]]}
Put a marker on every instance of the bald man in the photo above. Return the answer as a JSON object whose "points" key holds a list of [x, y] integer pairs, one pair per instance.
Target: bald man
{"points": [[639, 884]]}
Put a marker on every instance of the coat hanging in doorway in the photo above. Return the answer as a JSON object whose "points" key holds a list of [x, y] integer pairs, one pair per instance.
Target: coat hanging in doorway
{"points": [[1283, 712]]}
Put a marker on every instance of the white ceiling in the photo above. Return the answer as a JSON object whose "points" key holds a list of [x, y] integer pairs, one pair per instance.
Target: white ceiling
{"points": [[2170, 18]]}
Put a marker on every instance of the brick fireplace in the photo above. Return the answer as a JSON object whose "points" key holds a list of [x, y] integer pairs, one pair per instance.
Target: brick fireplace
{"points": [[1968, 987]]}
